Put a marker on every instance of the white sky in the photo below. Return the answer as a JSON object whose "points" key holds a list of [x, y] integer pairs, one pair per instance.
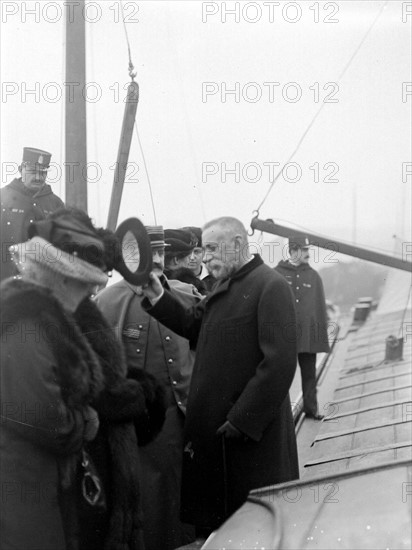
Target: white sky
{"points": [[366, 133]]}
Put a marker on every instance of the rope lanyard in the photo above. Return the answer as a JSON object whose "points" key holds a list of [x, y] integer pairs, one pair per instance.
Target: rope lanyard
{"points": [[342, 74]]}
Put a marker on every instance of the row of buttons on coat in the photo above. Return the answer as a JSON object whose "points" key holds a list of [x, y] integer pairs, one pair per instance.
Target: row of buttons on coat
{"points": [[170, 360], [297, 288], [138, 350]]}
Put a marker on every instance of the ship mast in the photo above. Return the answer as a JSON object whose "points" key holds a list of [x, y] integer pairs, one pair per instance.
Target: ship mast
{"points": [[75, 159]]}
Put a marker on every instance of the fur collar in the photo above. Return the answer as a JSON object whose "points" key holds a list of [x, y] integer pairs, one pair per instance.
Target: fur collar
{"points": [[78, 370]]}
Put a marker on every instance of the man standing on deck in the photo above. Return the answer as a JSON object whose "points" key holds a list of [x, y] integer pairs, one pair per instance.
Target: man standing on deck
{"points": [[312, 321], [26, 199], [239, 432]]}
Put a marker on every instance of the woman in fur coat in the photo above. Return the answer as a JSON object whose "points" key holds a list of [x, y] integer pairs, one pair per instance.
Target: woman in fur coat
{"points": [[61, 374], [131, 410]]}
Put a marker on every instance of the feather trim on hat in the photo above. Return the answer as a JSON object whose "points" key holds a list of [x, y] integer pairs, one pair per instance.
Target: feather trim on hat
{"points": [[39, 252]]}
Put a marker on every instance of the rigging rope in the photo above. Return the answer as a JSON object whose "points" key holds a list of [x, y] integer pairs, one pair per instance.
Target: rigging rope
{"points": [[147, 173], [132, 74], [132, 71], [321, 107]]}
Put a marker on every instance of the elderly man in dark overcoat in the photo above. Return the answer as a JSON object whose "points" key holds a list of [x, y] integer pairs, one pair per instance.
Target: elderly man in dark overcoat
{"points": [[311, 317], [239, 432]]}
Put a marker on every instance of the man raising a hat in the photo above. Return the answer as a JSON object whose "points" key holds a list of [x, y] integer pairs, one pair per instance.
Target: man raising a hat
{"points": [[25, 200], [311, 317], [151, 347]]}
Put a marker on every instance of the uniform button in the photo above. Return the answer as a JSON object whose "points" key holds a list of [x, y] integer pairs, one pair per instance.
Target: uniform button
{"points": [[297, 276], [174, 382], [140, 327], [34, 204], [297, 300], [297, 288], [138, 350], [167, 338], [179, 402], [8, 223], [170, 361]]}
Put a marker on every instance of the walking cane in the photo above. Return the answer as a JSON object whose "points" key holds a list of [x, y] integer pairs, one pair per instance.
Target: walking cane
{"points": [[225, 496]]}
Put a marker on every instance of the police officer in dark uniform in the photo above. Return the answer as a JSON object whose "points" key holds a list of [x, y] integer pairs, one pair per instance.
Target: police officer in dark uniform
{"points": [[24, 200], [311, 317]]}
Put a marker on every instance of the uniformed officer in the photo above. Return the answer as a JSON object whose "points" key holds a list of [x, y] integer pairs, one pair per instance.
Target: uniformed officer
{"points": [[181, 246], [24, 200], [152, 347], [196, 261], [311, 317]]}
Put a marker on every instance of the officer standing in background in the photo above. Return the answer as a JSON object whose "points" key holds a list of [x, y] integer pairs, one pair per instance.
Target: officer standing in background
{"points": [[311, 317], [25, 200], [196, 262], [181, 244]]}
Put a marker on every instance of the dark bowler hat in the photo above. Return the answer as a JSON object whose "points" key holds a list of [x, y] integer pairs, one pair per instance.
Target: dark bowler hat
{"points": [[36, 159], [180, 240], [298, 242], [156, 235], [197, 233]]}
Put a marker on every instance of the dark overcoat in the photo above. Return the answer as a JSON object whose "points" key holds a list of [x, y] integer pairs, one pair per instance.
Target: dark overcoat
{"points": [[311, 317], [20, 207], [245, 363], [153, 348]]}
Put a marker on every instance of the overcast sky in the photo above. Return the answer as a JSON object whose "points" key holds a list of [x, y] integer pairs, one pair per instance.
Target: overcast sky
{"points": [[281, 60]]}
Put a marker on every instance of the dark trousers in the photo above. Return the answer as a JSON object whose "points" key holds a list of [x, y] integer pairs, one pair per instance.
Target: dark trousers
{"points": [[307, 364]]}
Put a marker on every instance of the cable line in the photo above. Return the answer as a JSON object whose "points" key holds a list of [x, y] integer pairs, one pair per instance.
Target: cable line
{"points": [[147, 173], [132, 74], [321, 107], [132, 71]]}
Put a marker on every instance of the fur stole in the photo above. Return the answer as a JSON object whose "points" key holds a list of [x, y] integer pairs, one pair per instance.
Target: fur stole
{"points": [[125, 406], [129, 394], [78, 371]]}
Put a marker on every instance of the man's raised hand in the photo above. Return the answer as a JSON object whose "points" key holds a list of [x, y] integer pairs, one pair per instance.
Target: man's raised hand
{"points": [[153, 290]]}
